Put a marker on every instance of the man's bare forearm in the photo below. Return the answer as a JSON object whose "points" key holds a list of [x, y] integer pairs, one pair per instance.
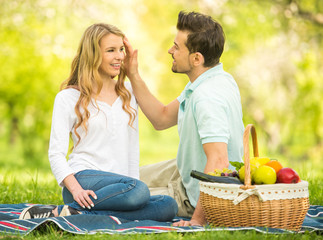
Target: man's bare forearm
{"points": [[159, 115]]}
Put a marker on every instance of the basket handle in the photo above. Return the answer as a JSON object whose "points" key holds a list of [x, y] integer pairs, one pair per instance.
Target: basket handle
{"points": [[250, 129]]}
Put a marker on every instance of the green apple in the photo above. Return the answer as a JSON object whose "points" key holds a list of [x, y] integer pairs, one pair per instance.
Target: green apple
{"points": [[242, 172]]}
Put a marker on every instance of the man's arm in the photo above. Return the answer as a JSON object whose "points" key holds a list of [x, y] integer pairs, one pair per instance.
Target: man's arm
{"points": [[159, 115], [217, 157]]}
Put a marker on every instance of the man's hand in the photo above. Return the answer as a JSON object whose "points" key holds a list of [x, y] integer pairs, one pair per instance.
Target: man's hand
{"points": [[131, 59], [161, 116], [198, 218], [183, 223]]}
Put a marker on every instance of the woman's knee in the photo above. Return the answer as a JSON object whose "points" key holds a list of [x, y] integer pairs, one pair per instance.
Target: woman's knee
{"points": [[139, 195], [171, 208], [166, 207]]}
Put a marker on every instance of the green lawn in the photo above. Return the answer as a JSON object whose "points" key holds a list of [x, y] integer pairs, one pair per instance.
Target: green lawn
{"points": [[30, 186]]}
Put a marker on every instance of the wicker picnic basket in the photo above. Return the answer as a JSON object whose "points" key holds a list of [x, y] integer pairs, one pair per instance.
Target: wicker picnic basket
{"points": [[269, 205]]}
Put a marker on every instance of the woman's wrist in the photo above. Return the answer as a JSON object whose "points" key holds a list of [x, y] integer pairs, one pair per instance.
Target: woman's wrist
{"points": [[72, 184]]}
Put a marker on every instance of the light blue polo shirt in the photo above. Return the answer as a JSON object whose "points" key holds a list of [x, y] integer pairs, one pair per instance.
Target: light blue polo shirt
{"points": [[210, 111]]}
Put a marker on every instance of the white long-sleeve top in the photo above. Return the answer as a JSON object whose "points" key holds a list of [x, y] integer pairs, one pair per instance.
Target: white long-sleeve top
{"points": [[110, 144]]}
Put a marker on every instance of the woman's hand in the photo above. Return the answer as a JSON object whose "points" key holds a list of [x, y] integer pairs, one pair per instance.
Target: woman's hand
{"points": [[131, 59], [80, 195]]}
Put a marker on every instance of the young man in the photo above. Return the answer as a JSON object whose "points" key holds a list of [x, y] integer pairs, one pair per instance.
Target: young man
{"points": [[208, 113]]}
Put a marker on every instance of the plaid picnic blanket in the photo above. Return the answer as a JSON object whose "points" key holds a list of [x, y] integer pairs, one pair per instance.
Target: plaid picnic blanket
{"points": [[91, 224]]}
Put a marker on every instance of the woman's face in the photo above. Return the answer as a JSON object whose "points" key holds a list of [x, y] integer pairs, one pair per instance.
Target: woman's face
{"points": [[112, 51]]}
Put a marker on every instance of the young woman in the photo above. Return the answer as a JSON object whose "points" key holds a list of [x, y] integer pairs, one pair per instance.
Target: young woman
{"points": [[100, 114]]}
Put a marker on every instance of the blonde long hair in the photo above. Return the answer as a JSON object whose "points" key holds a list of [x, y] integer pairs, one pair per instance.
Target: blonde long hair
{"points": [[84, 74]]}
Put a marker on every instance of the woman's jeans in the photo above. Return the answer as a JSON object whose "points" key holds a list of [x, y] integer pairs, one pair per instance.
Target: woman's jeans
{"points": [[121, 196]]}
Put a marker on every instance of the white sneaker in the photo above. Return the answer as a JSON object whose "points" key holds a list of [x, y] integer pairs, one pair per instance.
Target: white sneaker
{"points": [[38, 211]]}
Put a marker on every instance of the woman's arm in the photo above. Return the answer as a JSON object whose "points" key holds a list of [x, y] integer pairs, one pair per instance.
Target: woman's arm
{"points": [[80, 195], [133, 140], [62, 124], [63, 121]]}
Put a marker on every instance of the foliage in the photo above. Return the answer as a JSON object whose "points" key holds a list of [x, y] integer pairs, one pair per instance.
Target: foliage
{"points": [[273, 49]]}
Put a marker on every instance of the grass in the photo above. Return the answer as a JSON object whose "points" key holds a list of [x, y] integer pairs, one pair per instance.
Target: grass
{"points": [[52, 233], [22, 186]]}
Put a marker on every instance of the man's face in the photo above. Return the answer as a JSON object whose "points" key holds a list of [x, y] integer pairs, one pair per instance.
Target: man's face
{"points": [[180, 54]]}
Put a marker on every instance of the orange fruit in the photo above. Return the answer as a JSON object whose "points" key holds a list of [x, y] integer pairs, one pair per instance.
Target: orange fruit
{"points": [[275, 165]]}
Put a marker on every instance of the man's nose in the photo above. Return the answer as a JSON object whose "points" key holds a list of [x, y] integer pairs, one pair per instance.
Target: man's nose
{"points": [[170, 51]]}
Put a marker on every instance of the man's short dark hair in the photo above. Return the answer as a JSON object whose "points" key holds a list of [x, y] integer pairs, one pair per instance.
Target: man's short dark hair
{"points": [[205, 36]]}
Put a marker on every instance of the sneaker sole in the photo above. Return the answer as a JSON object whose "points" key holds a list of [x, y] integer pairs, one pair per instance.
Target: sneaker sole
{"points": [[65, 212], [25, 214]]}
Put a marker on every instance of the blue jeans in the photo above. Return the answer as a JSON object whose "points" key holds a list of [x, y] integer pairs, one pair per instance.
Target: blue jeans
{"points": [[121, 196]]}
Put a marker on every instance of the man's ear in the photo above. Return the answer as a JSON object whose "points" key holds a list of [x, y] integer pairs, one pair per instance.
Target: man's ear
{"points": [[197, 59]]}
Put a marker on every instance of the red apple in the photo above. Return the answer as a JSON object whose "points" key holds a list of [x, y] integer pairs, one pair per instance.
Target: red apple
{"points": [[287, 175]]}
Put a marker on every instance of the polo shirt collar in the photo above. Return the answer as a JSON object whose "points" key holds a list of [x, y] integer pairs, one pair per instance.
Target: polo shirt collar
{"points": [[190, 87]]}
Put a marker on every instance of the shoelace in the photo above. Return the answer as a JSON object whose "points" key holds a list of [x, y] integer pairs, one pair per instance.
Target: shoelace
{"points": [[42, 215]]}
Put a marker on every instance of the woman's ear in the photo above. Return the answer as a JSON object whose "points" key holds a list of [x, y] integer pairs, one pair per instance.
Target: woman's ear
{"points": [[197, 59]]}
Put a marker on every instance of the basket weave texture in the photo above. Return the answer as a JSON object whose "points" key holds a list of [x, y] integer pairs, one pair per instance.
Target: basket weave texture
{"points": [[244, 205]]}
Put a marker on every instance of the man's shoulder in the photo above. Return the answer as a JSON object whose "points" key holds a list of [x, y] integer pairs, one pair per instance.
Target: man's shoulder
{"points": [[217, 83]]}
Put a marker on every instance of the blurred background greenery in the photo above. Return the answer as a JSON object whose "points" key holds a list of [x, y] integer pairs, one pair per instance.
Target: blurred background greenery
{"points": [[274, 49]]}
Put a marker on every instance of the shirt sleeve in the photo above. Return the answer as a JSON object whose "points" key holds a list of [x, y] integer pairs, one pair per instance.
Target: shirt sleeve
{"points": [[212, 121], [62, 124], [134, 150], [133, 155]]}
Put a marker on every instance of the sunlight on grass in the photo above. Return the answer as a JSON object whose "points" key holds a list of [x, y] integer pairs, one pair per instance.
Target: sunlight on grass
{"points": [[22, 177], [29, 186]]}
